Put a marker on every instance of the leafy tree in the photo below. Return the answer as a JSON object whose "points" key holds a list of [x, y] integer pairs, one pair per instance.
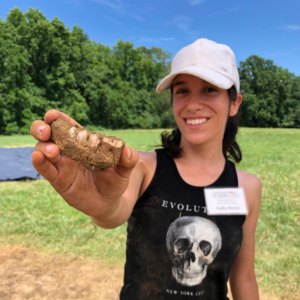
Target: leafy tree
{"points": [[45, 65], [270, 94], [18, 95]]}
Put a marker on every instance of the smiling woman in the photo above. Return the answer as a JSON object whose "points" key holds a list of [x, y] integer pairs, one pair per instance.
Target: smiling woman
{"points": [[202, 249], [175, 248], [231, 149]]}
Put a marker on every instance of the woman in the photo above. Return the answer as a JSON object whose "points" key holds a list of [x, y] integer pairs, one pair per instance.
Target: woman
{"points": [[175, 249]]}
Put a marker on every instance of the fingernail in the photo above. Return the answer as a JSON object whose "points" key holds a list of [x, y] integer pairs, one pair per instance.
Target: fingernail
{"points": [[49, 148], [40, 129], [129, 153]]}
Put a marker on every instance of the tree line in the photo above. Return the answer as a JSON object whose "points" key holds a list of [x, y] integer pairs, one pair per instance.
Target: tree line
{"points": [[44, 65]]}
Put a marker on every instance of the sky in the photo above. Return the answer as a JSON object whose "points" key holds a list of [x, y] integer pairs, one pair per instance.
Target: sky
{"points": [[267, 28]]}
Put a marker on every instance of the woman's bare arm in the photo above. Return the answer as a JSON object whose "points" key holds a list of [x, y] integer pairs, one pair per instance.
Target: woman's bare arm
{"points": [[107, 196], [242, 276]]}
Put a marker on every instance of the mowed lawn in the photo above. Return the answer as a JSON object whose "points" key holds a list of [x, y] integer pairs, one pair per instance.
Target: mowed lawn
{"points": [[33, 215]]}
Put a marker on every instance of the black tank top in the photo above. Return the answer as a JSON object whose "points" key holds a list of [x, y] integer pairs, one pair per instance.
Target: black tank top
{"points": [[174, 249]]}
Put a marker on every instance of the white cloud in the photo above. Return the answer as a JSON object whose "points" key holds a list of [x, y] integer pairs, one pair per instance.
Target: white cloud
{"points": [[184, 23], [116, 4], [120, 8], [137, 17], [114, 20], [168, 39], [146, 39], [291, 27], [195, 2], [192, 34], [277, 54], [181, 22], [76, 3], [228, 11], [233, 9]]}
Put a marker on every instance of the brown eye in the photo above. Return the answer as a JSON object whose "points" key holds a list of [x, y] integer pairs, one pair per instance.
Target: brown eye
{"points": [[210, 90], [181, 91]]}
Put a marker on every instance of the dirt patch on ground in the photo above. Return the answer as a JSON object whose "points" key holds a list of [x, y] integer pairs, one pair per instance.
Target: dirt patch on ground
{"points": [[28, 274]]}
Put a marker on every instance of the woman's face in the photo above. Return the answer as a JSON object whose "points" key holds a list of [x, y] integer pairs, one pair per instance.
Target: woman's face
{"points": [[201, 109]]}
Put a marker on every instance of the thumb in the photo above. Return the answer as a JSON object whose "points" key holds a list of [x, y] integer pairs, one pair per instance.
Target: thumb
{"points": [[128, 161]]}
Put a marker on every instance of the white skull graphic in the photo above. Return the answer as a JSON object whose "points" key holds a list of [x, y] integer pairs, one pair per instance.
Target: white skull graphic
{"points": [[192, 243]]}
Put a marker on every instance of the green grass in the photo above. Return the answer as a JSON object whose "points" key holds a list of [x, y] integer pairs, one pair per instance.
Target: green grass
{"points": [[17, 141], [138, 139], [274, 156], [33, 215]]}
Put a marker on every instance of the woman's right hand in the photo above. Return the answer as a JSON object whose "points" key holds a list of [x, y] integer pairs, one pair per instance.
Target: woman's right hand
{"points": [[96, 194]]}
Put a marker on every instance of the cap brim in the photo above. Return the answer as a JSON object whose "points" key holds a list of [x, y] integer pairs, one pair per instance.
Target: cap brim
{"points": [[208, 75]]}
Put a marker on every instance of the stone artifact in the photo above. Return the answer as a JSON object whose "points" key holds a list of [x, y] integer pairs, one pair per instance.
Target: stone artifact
{"points": [[93, 150]]}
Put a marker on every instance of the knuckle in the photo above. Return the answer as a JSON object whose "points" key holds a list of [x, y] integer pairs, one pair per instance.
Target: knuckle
{"points": [[33, 127], [51, 115], [52, 111], [37, 146]]}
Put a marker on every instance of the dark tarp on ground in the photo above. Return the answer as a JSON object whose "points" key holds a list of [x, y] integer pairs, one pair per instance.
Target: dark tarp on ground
{"points": [[15, 164]]}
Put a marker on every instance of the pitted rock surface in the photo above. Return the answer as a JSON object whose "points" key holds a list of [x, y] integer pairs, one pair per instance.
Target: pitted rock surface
{"points": [[93, 150]]}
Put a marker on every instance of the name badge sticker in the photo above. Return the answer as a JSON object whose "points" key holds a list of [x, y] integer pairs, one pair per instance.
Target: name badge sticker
{"points": [[225, 201]]}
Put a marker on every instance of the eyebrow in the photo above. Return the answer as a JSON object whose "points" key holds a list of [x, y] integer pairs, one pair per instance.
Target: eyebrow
{"points": [[179, 83], [184, 82]]}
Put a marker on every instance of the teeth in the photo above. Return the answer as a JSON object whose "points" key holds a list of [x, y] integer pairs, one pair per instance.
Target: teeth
{"points": [[196, 121]]}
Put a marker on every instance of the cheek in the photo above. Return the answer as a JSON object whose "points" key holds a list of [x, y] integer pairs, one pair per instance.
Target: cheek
{"points": [[177, 107], [223, 107]]}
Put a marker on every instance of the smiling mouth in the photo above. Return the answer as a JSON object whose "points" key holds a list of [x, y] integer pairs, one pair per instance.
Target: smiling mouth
{"points": [[196, 121]]}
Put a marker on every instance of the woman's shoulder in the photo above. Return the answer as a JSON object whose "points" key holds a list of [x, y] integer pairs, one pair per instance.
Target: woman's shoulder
{"points": [[147, 159], [248, 180], [252, 187], [147, 166]]}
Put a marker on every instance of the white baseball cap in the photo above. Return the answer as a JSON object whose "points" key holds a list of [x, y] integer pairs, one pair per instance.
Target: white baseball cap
{"points": [[208, 60]]}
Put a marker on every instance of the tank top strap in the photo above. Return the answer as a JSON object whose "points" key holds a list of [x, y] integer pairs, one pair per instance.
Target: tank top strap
{"points": [[163, 173], [228, 178]]}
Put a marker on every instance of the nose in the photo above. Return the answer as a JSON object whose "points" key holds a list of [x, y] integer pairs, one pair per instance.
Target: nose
{"points": [[191, 256], [195, 102]]}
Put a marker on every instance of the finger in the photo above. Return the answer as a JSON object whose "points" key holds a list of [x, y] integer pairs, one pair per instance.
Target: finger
{"points": [[40, 130], [53, 114], [60, 175], [128, 160], [43, 166], [50, 151]]}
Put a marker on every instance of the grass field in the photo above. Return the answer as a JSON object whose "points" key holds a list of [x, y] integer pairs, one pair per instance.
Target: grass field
{"points": [[33, 215]]}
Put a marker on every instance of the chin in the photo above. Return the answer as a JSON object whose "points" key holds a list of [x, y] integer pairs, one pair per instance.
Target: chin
{"points": [[194, 139]]}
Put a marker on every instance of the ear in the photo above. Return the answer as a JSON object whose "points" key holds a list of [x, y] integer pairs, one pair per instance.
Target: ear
{"points": [[234, 105]]}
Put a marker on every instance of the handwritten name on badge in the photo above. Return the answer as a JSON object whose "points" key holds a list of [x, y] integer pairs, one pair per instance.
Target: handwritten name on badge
{"points": [[225, 201]]}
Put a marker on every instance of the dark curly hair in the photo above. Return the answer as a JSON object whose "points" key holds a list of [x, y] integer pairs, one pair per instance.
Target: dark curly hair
{"points": [[231, 149]]}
